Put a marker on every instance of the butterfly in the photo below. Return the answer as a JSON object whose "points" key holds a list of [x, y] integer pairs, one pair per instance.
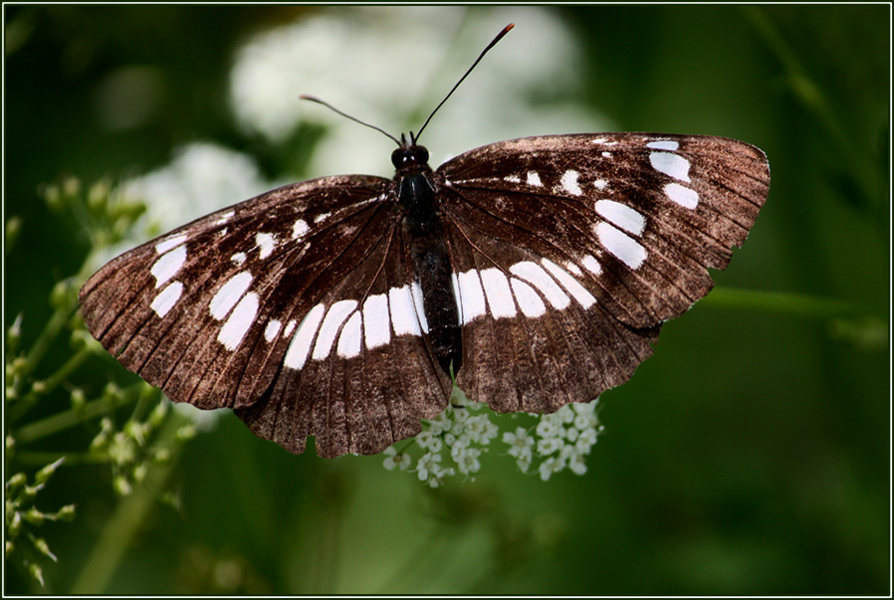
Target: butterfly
{"points": [[537, 271]]}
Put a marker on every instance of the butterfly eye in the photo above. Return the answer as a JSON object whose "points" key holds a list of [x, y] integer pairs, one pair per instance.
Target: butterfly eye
{"points": [[411, 156]]}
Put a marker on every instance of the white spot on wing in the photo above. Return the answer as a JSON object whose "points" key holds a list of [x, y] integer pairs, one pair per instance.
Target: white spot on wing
{"points": [[621, 215], [670, 164], [471, 295], [225, 217], [572, 285], [168, 265], [600, 184], [540, 279], [166, 300], [169, 243], [298, 350], [591, 264], [569, 182], [272, 329], [573, 268], [499, 295], [532, 178], [376, 321], [290, 327], [299, 229], [663, 145], [335, 317], [229, 294], [239, 322], [417, 302], [403, 312], [349, 339], [622, 246], [528, 300], [266, 243], [239, 258], [682, 195]]}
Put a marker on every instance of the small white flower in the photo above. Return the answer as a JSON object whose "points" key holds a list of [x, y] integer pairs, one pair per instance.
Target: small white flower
{"points": [[547, 446], [566, 451], [460, 414], [490, 432], [396, 460], [427, 465], [565, 414], [585, 417], [439, 424], [585, 407], [549, 466], [586, 439], [571, 434], [459, 445], [429, 442], [548, 428], [479, 429], [524, 462], [577, 463], [519, 443], [439, 474], [584, 421], [467, 461]]}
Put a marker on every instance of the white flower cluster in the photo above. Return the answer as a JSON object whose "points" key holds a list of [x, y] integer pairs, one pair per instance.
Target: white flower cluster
{"points": [[564, 439], [454, 441]]}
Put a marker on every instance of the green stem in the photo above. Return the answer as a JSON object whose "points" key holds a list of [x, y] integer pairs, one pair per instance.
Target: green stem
{"points": [[67, 418], [32, 458], [42, 388], [54, 326]]}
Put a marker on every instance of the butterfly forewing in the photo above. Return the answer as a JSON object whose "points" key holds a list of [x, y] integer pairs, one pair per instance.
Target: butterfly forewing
{"points": [[213, 312], [642, 216]]}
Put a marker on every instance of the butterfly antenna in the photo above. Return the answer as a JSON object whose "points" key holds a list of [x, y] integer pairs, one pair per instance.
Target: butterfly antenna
{"points": [[344, 114], [500, 35]]}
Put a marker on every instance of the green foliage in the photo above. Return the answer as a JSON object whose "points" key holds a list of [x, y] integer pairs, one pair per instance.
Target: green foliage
{"points": [[33, 416]]}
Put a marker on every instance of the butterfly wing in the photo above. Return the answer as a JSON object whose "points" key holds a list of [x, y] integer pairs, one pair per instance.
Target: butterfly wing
{"points": [[592, 241], [263, 307]]}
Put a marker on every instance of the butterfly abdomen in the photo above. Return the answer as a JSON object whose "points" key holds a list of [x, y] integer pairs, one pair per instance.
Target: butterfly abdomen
{"points": [[428, 251]]}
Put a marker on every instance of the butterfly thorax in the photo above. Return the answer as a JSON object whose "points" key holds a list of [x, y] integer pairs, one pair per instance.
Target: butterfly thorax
{"points": [[425, 239]]}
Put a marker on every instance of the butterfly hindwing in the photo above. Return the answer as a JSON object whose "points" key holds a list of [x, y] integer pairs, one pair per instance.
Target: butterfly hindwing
{"points": [[532, 340], [380, 379]]}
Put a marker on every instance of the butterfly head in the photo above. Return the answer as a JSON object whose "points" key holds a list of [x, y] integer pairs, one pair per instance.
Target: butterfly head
{"points": [[409, 155]]}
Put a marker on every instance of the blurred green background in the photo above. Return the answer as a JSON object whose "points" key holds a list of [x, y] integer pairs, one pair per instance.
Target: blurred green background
{"points": [[749, 456]]}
